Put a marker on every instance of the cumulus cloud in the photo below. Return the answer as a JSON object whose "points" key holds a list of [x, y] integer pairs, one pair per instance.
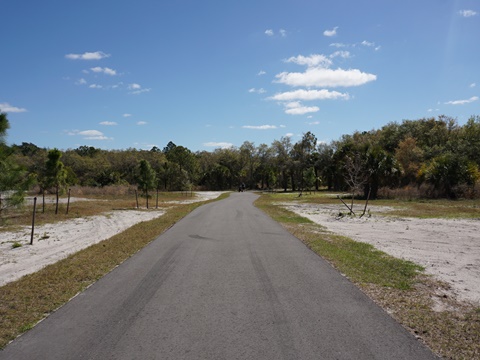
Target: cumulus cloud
{"points": [[321, 77], [141, 123], [472, 85], [269, 32], [95, 86], [260, 127], [108, 123], [7, 108], [105, 70], [330, 33], [222, 145], [296, 108], [127, 115], [97, 55], [309, 95], [90, 134], [310, 61], [283, 32], [467, 13], [261, 72], [463, 102]]}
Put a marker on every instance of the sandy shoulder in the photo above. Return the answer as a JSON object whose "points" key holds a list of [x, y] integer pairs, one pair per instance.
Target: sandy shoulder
{"points": [[53, 242], [448, 249]]}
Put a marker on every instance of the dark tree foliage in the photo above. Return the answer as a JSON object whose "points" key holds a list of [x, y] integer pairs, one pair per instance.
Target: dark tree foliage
{"points": [[436, 154]]}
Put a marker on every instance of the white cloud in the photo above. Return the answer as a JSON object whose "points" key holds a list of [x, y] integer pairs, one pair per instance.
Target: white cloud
{"points": [[95, 86], [105, 70], [342, 54], [108, 123], [309, 95], [134, 86], [260, 127], [368, 43], [222, 145], [261, 72], [462, 102], [141, 123], [311, 61], [140, 91], [81, 81], [467, 13], [339, 45], [472, 85], [127, 115], [90, 134], [137, 89], [269, 32], [98, 55], [7, 108], [296, 108], [319, 77], [283, 32], [314, 123], [289, 134], [332, 32], [257, 91]]}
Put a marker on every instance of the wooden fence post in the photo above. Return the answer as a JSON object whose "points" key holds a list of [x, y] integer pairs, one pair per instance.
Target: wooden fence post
{"points": [[33, 219], [68, 201]]}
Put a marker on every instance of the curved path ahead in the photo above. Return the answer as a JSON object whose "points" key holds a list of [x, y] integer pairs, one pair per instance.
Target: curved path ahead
{"points": [[226, 282]]}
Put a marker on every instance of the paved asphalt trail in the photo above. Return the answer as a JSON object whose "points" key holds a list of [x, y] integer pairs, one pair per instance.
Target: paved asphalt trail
{"points": [[226, 282]]}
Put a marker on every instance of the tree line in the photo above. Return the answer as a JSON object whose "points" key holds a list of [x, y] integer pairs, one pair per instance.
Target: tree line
{"points": [[433, 157]]}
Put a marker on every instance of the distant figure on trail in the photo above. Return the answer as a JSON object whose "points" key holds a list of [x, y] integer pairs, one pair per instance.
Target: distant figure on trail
{"points": [[241, 187]]}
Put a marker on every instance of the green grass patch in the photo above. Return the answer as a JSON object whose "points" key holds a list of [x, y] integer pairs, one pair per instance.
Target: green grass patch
{"points": [[364, 264]]}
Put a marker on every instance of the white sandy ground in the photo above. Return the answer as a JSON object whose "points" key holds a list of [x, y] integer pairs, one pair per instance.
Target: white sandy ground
{"points": [[448, 249], [53, 242]]}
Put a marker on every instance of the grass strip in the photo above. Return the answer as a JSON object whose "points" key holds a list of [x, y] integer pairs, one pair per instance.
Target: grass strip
{"points": [[450, 328], [23, 303]]}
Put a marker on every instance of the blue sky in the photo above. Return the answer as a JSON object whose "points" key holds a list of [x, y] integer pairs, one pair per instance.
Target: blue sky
{"points": [[119, 74]]}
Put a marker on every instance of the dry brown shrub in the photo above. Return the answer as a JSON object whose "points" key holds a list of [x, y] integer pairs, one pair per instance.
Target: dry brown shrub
{"points": [[111, 190], [424, 191]]}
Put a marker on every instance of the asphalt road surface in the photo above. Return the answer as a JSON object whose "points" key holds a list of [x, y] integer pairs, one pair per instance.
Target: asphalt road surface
{"points": [[226, 282]]}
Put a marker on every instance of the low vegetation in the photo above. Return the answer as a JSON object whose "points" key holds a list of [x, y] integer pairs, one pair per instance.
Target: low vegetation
{"points": [[400, 287]]}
